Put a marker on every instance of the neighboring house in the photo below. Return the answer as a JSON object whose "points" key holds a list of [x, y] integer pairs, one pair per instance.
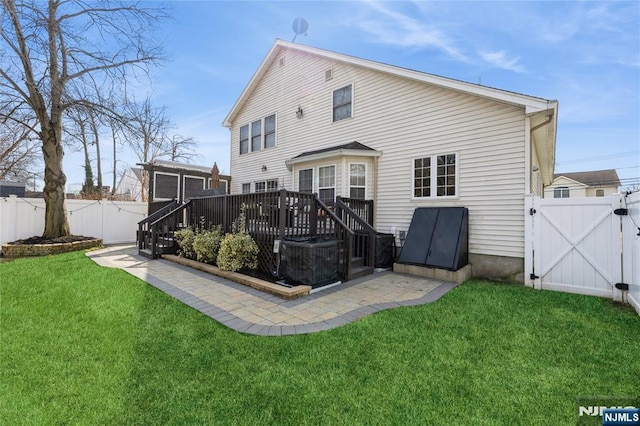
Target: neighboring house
{"points": [[596, 183], [312, 120], [130, 185]]}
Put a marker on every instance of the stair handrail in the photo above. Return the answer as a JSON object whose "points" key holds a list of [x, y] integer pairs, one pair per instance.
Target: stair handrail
{"points": [[156, 224], [350, 235], [371, 232], [141, 237], [172, 205]]}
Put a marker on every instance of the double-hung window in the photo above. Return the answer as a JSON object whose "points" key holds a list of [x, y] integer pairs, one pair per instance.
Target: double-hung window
{"points": [[256, 135], [246, 188], [244, 139], [357, 181], [342, 103], [270, 131], [327, 184], [435, 176], [305, 180]]}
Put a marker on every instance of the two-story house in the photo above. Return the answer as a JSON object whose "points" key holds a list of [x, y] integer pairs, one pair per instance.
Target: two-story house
{"points": [[312, 120]]}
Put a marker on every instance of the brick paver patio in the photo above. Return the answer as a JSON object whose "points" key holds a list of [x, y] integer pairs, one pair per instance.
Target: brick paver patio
{"points": [[251, 311]]}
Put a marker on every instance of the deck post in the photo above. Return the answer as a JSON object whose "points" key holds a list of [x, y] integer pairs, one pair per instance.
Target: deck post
{"points": [[313, 217], [282, 214]]}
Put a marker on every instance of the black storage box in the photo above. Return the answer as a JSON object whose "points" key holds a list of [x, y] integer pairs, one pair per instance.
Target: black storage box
{"points": [[309, 261], [384, 250]]}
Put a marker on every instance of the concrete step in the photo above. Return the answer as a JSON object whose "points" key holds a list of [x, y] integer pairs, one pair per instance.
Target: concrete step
{"points": [[361, 271]]}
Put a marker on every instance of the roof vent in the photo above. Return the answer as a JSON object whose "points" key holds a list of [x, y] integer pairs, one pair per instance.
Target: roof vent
{"points": [[281, 62], [328, 74]]}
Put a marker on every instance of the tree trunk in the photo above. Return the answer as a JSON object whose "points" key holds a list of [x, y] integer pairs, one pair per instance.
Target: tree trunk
{"points": [[56, 224]]}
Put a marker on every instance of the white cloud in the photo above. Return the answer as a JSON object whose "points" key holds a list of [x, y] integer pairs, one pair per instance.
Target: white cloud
{"points": [[394, 28], [499, 59]]}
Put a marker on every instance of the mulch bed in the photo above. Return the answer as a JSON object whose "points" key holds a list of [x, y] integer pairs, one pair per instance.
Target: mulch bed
{"points": [[43, 240]]}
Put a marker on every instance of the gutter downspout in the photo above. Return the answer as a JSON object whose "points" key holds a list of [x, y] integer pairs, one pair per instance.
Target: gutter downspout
{"points": [[535, 146]]}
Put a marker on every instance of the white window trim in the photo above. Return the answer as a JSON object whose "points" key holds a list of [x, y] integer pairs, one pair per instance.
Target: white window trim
{"points": [[562, 188], [353, 102], [335, 179], [434, 178], [226, 185], [297, 177], [275, 132], [155, 182], [349, 179], [263, 135], [184, 181], [241, 188]]}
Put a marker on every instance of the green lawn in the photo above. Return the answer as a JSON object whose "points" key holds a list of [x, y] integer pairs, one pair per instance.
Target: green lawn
{"points": [[81, 344]]}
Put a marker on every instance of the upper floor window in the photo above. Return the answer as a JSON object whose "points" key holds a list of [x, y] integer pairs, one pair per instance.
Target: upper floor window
{"points": [[561, 192], [599, 192], [244, 139], [258, 135], [342, 103], [270, 131], [435, 176]]}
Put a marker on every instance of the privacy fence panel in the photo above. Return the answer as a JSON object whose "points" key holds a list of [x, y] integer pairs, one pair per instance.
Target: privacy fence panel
{"points": [[577, 245], [631, 248], [115, 222]]}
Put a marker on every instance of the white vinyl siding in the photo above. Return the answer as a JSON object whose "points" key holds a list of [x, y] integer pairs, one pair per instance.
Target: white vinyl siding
{"points": [[488, 137]]}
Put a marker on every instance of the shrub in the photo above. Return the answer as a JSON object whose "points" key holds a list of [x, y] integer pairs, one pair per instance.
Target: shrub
{"points": [[238, 251], [206, 244], [185, 238]]}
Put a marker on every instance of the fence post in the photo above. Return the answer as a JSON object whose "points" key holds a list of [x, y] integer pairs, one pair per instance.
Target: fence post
{"points": [[617, 246], [528, 240]]}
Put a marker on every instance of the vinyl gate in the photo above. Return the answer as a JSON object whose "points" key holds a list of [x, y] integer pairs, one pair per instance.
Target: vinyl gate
{"points": [[580, 245]]}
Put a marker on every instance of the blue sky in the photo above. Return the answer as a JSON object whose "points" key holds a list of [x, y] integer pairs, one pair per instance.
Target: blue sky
{"points": [[584, 54]]}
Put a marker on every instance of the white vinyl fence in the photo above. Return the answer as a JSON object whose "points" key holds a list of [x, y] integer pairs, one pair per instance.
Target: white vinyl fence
{"points": [[584, 245], [631, 248], [115, 222]]}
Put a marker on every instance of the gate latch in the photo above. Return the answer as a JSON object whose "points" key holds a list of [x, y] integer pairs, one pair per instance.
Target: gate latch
{"points": [[533, 276], [532, 211]]}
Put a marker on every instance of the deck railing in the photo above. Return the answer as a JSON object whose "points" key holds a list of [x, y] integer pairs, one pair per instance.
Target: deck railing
{"points": [[270, 217], [362, 208]]}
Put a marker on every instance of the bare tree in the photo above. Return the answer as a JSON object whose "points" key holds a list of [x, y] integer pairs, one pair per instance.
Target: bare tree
{"points": [[50, 49], [19, 152], [181, 148], [147, 127]]}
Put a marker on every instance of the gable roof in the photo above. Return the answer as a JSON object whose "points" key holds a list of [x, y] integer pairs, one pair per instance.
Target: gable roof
{"points": [[607, 177], [531, 104]]}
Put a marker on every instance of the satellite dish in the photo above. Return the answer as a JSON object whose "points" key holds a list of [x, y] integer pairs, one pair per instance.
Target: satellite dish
{"points": [[300, 26]]}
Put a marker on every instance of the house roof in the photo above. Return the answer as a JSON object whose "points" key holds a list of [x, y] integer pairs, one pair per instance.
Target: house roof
{"points": [[607, 177], [542, 114], [352, 149], [351, 145], [531, 104]]}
